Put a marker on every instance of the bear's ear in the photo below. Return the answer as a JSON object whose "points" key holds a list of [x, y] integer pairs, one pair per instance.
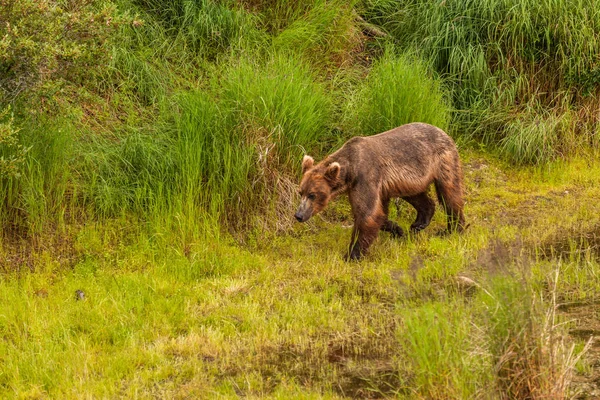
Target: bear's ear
{"points": [[307, 163], [333, 171]]}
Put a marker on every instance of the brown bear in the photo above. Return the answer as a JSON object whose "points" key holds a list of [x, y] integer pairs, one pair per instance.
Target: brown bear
{"points": [[402, 162]]}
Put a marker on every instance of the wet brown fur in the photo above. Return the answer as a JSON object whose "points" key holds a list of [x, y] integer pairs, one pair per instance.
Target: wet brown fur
{"points": [[402, 162]]}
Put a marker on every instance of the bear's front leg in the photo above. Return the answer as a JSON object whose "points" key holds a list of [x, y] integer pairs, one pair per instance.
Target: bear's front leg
{"points": [[369, 217], [363, 235]]}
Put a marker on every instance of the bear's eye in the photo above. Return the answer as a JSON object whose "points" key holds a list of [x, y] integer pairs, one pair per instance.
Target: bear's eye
{"points": [[312, 196]]}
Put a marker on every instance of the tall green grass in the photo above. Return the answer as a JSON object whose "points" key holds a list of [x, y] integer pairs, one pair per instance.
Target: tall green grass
{"points": [[41, 194], [327, 35], [276, 15], [239, 143], [170, 46], [397, 91], [445, 352], [231, 149], [125, 173], [220, 150], [502, 56], [552, 42], [204, 27], [280, 103], [534, 141], [214, 164], [532, 357]]}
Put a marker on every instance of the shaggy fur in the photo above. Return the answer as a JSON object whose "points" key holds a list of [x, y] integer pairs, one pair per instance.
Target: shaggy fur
{"points": [[402, 162]]}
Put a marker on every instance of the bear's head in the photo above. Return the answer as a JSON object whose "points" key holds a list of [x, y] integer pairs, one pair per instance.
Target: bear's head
{"points": [[316, 188]]}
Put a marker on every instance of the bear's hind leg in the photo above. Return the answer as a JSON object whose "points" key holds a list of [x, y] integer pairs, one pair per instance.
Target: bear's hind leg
{"points": [[393, 228], [450, 196], [390, 226], [449, 188], [425, 209]]}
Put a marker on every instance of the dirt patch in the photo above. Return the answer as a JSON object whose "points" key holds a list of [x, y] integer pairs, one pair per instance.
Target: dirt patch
{"points": [[361, 364], [480, 172], [369, 380], [573, 244], [498, 257], [365, 363], [18, 254]]}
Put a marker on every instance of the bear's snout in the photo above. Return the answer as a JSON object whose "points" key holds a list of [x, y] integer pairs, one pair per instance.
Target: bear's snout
{"points": [[304, 212]]}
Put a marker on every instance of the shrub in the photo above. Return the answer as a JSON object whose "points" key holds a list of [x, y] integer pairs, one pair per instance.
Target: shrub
{"points": [[45, 44]]}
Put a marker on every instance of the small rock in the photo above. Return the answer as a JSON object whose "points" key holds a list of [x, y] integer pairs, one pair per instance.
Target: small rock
{"points": [[79, 294], [466, 285]]}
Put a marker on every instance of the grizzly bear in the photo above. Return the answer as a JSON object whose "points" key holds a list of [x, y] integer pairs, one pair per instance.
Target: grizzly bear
{"points": [[402, 162]]}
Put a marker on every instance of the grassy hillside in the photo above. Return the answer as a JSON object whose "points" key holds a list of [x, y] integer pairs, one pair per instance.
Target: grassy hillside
{"points": [[149, 157]]}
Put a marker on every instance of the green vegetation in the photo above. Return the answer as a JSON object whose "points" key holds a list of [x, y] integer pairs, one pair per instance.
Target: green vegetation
{"points": [[13, 154], [508, 62], [149, 157], [396, 92]]}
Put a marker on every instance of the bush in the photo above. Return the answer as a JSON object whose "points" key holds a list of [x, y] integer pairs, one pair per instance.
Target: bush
{"points": [[45, 44]]}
